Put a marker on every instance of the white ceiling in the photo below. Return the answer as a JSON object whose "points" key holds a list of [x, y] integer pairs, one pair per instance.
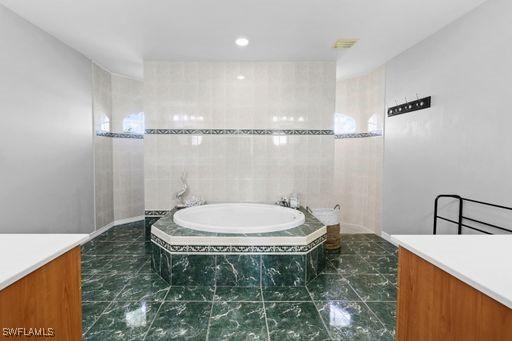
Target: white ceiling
{"points": [[120, 34]]}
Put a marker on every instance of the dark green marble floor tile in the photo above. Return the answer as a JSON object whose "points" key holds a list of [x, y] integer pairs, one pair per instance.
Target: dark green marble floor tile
{"points": [[146, 266], [354, 237], [384, 264], [373, 287], [124, 264], [190, 293], [97, 247], [350, 321], [289, 294], [237, 321], [103, 287], [331, 287], [373, 237], [392, 277], [140, 248], [196, 270], [239, 294], [238, 270], [329, 266], [386, 245], [294, 321], [351, 264], [386, 312], [119, 234], [345, 249], [123, 321], [181, 321], [144, 287], [90, 312], [92, 265], [367, 248]]}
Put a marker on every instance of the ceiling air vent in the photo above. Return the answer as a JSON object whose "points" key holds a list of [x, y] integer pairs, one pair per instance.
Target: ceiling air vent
{"points": [[344, 43]]}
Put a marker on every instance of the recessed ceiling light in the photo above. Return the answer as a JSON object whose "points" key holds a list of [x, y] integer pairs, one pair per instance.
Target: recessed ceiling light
{"points": [[242, 41], [240, 77]]}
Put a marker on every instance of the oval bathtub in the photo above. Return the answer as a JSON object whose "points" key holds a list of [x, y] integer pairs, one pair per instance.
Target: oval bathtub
{"points": [[239, 218]]}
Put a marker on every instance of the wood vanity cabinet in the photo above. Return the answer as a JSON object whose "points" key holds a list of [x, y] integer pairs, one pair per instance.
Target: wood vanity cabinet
{"points": [[434, 305], [46, 301]]}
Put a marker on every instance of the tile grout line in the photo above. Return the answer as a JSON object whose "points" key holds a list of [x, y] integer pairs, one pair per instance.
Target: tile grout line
{"points": [[366, 305], [319, 315], [265, 312], [158, 310], [211, 313], [97, 318], [152, 321]]}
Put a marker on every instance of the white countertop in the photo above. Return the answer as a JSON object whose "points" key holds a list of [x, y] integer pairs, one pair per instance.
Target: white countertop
{"points": [[20, 254], [481, 261]]}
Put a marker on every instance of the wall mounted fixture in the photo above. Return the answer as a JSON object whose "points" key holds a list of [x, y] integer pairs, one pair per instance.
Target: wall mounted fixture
{"points": [[419, 104]]}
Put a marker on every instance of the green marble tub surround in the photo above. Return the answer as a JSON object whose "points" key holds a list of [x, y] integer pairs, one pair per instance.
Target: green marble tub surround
{"points": [[278, 270], [193, 270], [183, 269], [238, 270]]}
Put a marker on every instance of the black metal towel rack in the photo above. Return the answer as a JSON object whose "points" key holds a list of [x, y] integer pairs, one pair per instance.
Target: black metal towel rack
{"points": [[461, 218]]}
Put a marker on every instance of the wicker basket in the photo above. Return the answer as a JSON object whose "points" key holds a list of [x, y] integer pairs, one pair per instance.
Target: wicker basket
{"points": [[333, 242], [331, 219]]}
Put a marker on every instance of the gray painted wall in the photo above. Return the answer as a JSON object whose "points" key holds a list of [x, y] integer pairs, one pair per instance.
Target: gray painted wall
{"points": [[463, 143], [46, 143]]}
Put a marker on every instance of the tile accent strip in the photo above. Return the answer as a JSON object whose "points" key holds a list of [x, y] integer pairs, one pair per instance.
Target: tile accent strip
{"points": [[357, 135], [120, 135], [238, 249], [156, 213], [238, 132]]}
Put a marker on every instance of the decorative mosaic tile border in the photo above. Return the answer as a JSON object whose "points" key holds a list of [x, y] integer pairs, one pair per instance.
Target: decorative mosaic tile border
{"points": [[155, 213], [238, 132], [235, 249], [120, 135], [357, 135]]}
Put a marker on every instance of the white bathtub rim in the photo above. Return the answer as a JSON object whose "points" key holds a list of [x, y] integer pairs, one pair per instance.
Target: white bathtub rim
{"points": [[297, 221]]}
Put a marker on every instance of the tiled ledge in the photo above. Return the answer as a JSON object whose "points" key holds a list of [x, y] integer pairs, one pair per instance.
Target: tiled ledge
{"points": [[312, 132], [239, 132], [357, 135], [120, 135]]}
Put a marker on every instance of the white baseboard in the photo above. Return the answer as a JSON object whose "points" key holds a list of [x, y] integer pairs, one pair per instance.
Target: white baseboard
{"points": [[362, 229], [387, 237], [112, 224], [99, 231]]}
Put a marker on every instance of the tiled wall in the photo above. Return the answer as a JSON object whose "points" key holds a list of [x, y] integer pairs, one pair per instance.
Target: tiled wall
{"points": [[103, 167], [128, 153], [359, 161], [239, 167], [119, 182]]}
